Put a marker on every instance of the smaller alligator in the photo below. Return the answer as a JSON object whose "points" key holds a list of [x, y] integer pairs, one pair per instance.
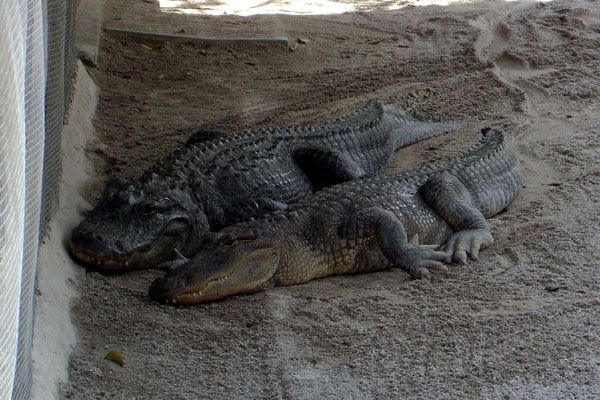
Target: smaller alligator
{"points": [[359, 226], [217, 180]]}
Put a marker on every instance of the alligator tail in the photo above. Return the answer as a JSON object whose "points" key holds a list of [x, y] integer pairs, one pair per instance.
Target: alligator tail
{"points": [[491, 172], [409, 129]]}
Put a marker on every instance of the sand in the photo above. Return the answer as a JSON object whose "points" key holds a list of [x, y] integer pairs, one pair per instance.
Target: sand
{"points": [[54, 335], [523, 322]]}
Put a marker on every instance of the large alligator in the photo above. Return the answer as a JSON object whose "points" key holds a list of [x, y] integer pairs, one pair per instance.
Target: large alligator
{"points": [[217, 180], [359, 226]]}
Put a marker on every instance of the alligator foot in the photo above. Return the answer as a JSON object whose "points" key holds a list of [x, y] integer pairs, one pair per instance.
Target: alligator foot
{"points": [[420, 261], [179, 260], [468, 242]]}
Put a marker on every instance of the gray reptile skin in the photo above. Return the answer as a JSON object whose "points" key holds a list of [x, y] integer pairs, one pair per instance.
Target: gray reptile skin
{"points": [[359, 226], [217, 180]]}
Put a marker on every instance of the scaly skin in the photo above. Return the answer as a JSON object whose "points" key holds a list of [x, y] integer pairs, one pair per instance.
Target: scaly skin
{"points": [[217, 180], [359, 226]]}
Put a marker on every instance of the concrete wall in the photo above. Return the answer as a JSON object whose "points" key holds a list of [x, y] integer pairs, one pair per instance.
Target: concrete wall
{"points": [[54, 334]]}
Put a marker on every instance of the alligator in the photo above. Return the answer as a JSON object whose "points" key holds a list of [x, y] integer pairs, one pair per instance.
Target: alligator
{"points": [[216, 180], [418, 221]]}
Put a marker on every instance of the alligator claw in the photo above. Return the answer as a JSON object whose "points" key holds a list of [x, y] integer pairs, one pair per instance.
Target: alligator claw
{"points": [[415, 241], [430, 246], [422, 261], [424, 268], [468, 243]]}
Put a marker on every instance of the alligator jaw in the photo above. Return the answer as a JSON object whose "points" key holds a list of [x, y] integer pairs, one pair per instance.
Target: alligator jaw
{"points": [[149, 255], [142, 258], [194, 296], [208, 278], [105, 262], [161, 291]]}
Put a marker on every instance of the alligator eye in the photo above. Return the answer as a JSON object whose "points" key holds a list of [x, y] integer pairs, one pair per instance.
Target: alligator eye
{"points": [[112, 188], [227, 241]]}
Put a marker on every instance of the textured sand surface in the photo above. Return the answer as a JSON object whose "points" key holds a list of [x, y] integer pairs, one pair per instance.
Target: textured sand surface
{"points": [[523, 322]]}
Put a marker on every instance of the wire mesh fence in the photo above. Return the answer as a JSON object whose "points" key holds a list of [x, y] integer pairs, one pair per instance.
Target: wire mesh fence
{"points": [[37, 60], [12, 185]]}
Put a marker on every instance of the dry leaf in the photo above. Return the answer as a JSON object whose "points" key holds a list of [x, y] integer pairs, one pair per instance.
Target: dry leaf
{"points": [[369, 40], [115, 356]]}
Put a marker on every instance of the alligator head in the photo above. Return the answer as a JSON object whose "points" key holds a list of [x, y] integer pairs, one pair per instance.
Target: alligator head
{"points": [[138, 226], [234, 261]]}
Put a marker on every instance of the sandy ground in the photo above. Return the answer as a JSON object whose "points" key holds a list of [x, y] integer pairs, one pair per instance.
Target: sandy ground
{"points": [[521, 323]]}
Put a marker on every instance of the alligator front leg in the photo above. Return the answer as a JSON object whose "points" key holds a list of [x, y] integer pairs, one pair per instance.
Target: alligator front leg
{"points": [[326, 167], [391, 238], [452, 200]]}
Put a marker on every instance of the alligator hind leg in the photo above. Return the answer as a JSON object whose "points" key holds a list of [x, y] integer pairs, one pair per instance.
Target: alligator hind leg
{"points": [[453, 201], [391, 238], [325, 167]]}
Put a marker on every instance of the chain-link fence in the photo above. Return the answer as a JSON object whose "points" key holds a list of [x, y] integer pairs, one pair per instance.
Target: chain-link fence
{"points": [[36, 73]]}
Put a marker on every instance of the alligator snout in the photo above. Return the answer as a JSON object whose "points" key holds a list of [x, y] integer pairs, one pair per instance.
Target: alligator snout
{"points": [[114, 252], [165, 290], [92, 249], [88, 240]]}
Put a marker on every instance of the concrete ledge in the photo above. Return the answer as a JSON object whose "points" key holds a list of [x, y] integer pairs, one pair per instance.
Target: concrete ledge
{"points": [[87, 29], [281, 40], [54, 335]]}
